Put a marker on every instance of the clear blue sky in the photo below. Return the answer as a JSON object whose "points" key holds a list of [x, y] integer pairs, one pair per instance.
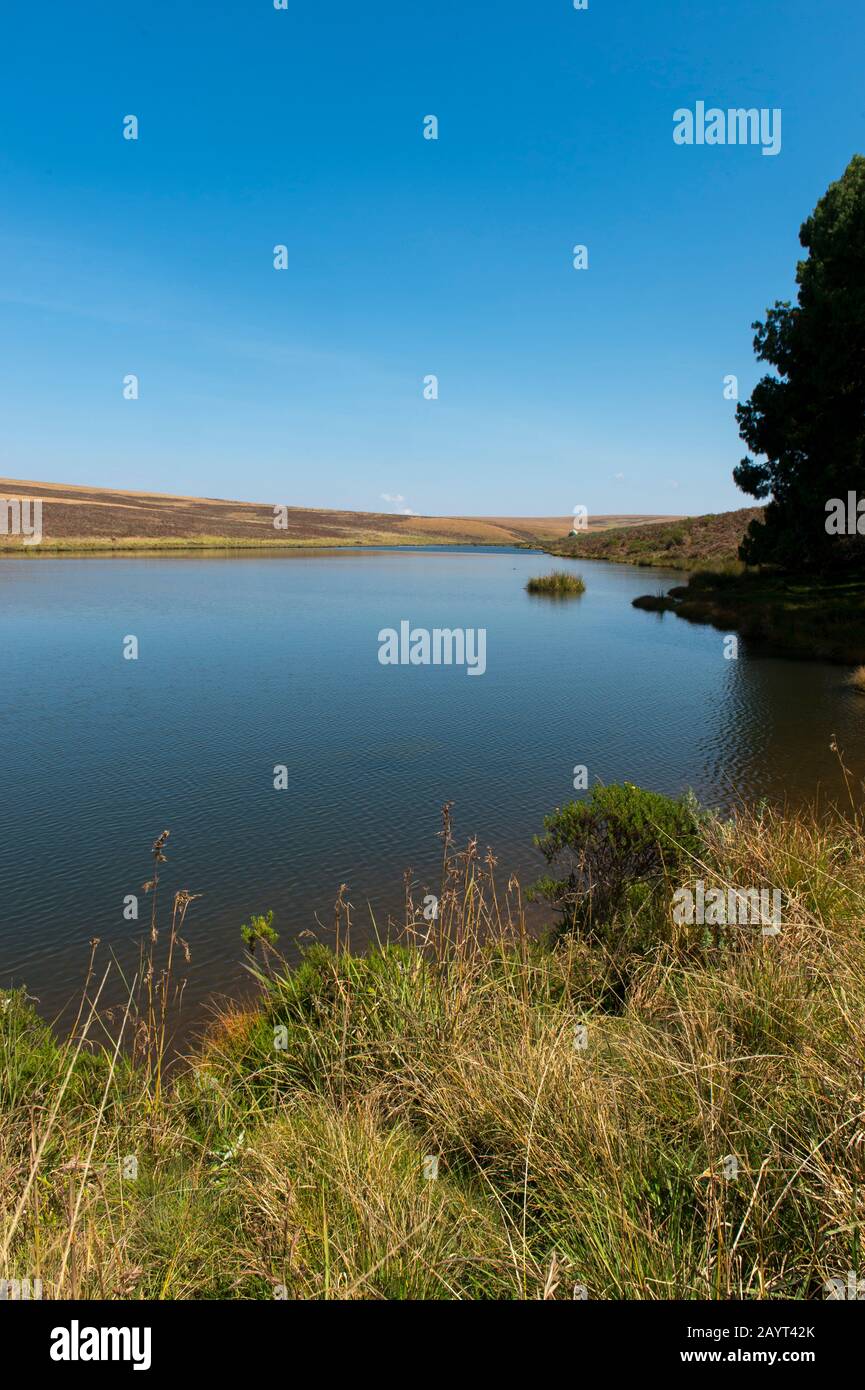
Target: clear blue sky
{"points": [[406, 256]]}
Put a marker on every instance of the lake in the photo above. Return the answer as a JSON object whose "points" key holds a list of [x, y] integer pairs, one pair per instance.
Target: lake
{"points": [[249, 662]]}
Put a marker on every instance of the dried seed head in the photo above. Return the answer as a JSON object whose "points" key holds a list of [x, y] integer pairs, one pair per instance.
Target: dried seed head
{"points": [[158, 845]]}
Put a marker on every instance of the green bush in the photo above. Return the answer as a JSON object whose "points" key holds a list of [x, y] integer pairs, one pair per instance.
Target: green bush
{"points": [[618, 842], [259, 929]]}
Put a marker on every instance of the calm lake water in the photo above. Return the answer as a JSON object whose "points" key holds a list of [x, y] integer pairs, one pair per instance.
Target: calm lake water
{"points": [[248, 661]]}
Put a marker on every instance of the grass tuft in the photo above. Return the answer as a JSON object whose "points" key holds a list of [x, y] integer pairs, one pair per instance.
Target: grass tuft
{"points": [[559, 584]]}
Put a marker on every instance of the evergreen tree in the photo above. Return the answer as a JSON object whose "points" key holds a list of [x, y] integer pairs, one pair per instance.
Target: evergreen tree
{"points": [[808, 420]]}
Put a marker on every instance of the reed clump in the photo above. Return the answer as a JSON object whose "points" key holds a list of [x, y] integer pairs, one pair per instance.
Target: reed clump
{"points": [[470, 1110], [558, 584]]}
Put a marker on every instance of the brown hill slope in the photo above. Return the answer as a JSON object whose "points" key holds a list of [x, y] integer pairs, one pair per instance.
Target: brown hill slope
{"points": [[688, 543], [80, 518]]}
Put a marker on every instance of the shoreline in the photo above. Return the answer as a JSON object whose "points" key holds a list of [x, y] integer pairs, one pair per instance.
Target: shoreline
{"points": [[415, 1122], [172, 545], [809, 621]]}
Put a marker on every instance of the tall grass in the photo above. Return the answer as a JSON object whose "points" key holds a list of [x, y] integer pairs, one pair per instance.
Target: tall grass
{"points": [[558, 584], [295, 1153]]}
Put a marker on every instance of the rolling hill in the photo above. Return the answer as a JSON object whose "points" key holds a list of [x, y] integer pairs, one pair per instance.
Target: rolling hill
{"points": [[88, 518]]}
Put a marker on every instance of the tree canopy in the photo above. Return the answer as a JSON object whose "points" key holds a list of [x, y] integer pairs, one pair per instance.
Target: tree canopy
{"points": [[806, 421]]}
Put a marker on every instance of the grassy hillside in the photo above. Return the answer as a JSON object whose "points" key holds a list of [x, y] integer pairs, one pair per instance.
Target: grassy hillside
{"points": [[80, 518], [689, 543], [427, 1122]]}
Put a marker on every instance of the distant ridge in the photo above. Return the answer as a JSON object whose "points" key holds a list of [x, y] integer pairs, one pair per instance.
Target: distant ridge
{"points": [[89, 518]]}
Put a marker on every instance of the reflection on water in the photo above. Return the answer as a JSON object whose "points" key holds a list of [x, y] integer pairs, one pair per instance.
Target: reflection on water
{"points": [[251, 661]]}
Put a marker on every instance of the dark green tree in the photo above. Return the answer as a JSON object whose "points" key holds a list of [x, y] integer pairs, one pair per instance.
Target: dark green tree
{"points": [[807, 421]]}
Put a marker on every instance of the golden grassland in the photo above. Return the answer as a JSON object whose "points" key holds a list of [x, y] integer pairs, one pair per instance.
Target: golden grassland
{"points": [[425, 1121], [99, 519]]}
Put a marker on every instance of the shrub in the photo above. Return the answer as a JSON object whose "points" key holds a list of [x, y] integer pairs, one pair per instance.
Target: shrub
{"points": [[259, 929], [621, 838]]}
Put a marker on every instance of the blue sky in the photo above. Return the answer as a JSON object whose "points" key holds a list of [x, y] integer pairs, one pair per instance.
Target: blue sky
{"points": [[407, 257]]}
